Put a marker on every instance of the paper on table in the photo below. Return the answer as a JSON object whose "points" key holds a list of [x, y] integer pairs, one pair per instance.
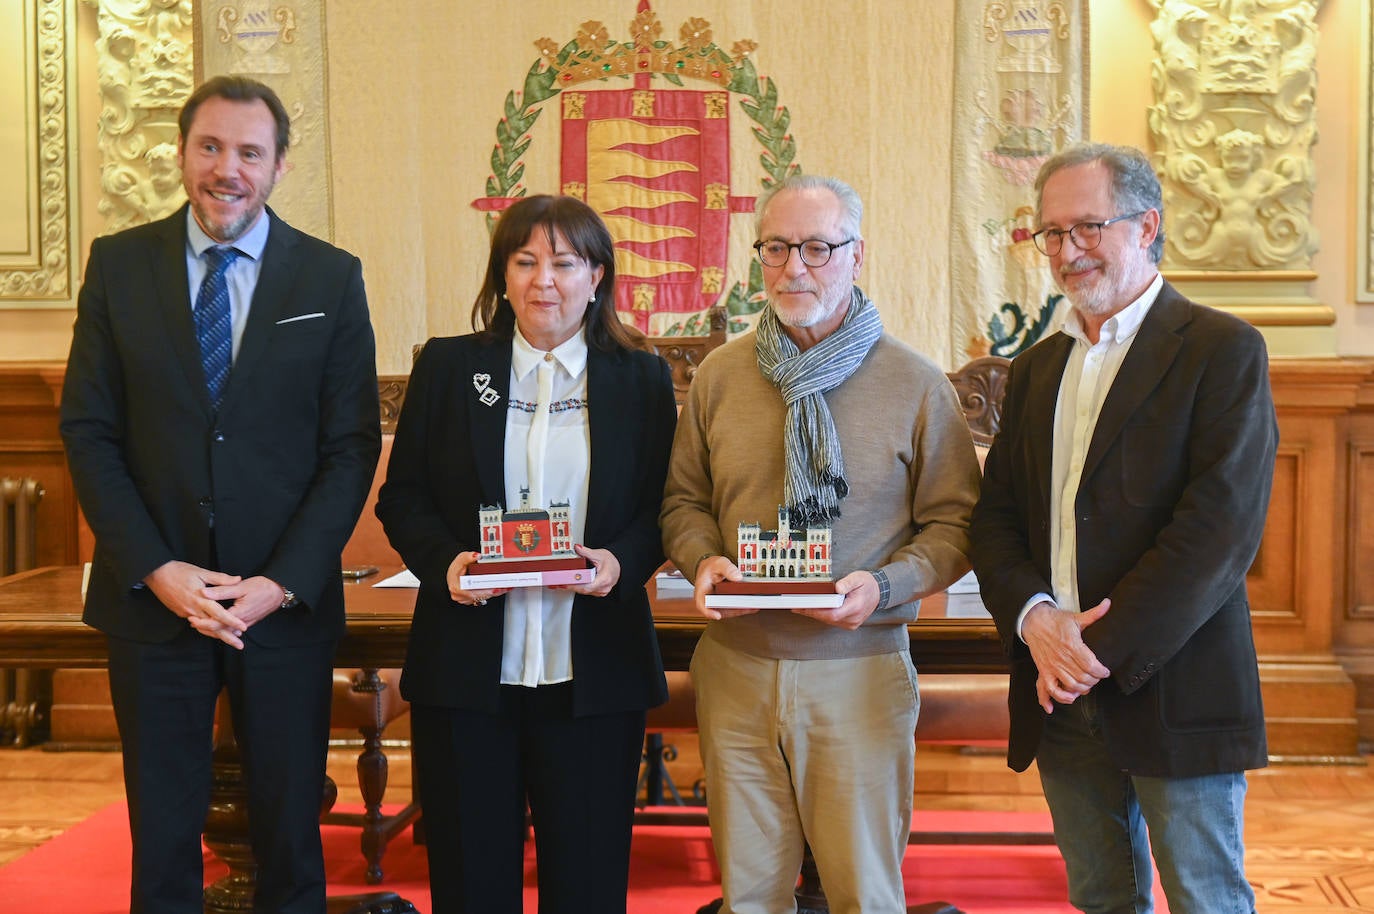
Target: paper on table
{"points": [[673, 585], [404, 578], [964, 600], [967, 584]]}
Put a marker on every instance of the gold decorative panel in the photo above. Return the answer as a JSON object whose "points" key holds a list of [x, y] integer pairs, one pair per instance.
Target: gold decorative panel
{"points": [[37, 215]]}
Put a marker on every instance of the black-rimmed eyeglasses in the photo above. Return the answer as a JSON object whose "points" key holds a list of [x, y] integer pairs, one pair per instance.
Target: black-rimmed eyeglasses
{"points": [[814, 252], [1085, 235]]}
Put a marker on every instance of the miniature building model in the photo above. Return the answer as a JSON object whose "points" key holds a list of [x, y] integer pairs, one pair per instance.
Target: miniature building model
{"points": [[527, 532], [775, 554]]}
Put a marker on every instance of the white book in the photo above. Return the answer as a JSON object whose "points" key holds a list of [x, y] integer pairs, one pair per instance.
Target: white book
{"points": [[774, 601]]}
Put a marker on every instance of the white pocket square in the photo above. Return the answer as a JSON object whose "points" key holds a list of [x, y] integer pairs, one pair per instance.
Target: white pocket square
{"points": [[300, 317]]}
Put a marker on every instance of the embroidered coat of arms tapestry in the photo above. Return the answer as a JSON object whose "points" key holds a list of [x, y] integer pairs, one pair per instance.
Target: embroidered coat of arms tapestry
{"points": [[1020, 95]]}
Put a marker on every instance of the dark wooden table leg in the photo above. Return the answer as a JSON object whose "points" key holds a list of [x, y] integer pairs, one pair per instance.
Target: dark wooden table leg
{"points": [[226, 824], [226, 834], [375, 828]]}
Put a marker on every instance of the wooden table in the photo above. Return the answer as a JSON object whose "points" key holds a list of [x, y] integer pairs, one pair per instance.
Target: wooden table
{"points": [[40, 626]]}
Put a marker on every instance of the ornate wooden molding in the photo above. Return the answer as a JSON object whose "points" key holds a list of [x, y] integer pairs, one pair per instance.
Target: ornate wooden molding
{"points": [[684, 353], [981, 384], [392, 391]]}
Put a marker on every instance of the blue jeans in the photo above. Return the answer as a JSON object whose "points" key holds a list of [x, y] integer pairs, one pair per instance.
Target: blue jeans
{"points": [[1101, 815]]}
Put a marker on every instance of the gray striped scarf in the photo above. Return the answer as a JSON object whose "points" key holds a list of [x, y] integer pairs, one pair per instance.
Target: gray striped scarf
{"points": [[814, 480]]}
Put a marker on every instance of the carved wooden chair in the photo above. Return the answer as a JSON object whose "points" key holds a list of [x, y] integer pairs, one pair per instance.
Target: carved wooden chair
{"points": [[683, 355], [368, 700], [970, 708]]}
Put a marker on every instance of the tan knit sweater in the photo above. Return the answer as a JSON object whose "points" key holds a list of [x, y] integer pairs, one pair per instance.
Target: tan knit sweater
{"points": [[912, 474]]}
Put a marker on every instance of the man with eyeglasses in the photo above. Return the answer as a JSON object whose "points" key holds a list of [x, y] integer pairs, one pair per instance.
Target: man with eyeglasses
{"points": [[1122, 503], [807, 717]]}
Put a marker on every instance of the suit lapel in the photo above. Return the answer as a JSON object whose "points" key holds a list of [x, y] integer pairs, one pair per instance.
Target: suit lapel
{"points": [[604, 375], [275, 278], [490, 371], [168, 263], [1152, 352]]}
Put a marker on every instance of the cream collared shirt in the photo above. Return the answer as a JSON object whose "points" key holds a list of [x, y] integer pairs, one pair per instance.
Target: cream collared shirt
{"points": [[537, 639], [1088, 377]]}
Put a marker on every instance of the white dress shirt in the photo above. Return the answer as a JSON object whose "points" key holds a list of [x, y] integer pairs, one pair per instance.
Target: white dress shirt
{"points": [[1088, 376], [241, 276], [537, 646]]}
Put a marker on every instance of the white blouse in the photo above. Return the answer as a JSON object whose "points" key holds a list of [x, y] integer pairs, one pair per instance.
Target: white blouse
{"points": [[537, 642]]}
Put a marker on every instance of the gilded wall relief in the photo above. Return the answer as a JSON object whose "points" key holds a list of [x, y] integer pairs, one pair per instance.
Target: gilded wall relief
{"points": [[37, 213], [144, 53], [1233, 124]]}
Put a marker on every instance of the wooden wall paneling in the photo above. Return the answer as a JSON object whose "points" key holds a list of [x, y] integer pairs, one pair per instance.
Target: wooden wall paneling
{"points": [[1355, 606], [1359, 517], [1272, 579], [1310, 697]]}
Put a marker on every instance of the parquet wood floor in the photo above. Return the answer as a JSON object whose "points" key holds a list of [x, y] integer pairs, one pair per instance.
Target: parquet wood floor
{"points": [[1309, 829]]}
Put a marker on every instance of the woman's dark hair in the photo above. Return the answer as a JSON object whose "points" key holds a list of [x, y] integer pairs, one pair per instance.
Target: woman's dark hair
{"points": [[237, 89], [582, 228]]}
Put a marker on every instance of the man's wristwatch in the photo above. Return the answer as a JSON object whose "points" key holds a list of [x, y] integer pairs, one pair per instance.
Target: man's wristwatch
{"points": [[288, 599]]}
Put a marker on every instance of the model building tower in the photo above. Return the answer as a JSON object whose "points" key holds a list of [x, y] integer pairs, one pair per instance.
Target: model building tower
{"points": [[527, 532], [779, 554]]}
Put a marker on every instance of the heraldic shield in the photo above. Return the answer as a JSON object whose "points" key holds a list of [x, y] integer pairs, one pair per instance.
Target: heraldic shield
{"points": [[655, 163]]}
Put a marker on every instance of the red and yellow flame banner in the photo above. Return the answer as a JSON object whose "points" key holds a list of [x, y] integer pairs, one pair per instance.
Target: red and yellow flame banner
{"points": [[656, 166], [653, 158]]}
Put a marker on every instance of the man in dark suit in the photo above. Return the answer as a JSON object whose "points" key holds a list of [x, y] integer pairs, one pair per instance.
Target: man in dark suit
{"points": [[221, 423], [1123, 502]]}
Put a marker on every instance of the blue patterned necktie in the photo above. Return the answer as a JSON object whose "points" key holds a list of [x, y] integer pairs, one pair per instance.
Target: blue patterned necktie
{"points": [[214, 330]]}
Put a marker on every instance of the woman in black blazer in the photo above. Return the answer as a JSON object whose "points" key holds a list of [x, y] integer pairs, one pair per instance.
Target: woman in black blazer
{"points": [[532, 697]]}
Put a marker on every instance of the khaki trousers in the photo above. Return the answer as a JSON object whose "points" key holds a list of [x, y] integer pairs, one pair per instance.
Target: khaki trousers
{"points": [[820, 751]]}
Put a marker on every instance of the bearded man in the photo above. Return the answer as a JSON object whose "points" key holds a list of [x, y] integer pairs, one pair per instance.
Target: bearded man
{"points": [[221, 423], [807, 716], [1122, 504]]}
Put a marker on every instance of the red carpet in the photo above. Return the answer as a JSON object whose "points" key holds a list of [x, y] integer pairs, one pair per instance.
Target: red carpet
{"points": [[86, 869]]}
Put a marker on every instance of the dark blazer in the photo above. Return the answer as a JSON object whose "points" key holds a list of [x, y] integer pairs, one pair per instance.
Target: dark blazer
{"points": [[1169, 513], [448, 459], [283, 469]]}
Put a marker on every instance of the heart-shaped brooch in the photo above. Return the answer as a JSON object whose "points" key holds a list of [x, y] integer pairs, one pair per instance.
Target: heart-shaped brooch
{"points": [[485, 392]]}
